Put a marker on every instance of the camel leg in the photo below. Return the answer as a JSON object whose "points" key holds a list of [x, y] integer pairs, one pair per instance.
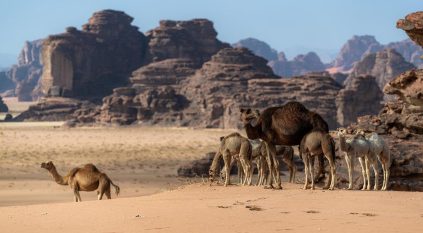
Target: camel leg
{"points": [[108, 195], [311, 169], [367, 164], [374, 166], [275, 168], [269, 166], [332, 178], [227, 162], [363, 172], [350, 167], [386, 176], [306, 172]]}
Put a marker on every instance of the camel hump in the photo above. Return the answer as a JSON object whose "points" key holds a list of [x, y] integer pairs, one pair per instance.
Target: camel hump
{"points": [[235, 134], [91, 167], [73, 171]]}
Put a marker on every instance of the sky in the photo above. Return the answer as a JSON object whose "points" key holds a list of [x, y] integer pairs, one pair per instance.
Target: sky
{"points": [[292, 26]]}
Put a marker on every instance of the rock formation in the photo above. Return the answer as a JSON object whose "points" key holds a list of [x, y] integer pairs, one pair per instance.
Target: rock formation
{"points": [[317, 91], [91, 62], [193, 39], [258, 47], [409, 50], [50, 109], [3, 106], [300, 65], [27, 72], [218, 89], [354, 49], [400, 120], [384, 65], [6, 83], [413, 26], [361, 97]]}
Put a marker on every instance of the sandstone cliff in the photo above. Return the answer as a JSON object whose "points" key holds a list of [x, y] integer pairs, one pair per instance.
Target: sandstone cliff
{"points": [[300, 65], [258, 47], [91, 62]]}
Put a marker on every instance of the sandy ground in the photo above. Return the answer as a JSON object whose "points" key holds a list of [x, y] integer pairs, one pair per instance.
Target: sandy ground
{"points": [[201, 208], [141, 160]]}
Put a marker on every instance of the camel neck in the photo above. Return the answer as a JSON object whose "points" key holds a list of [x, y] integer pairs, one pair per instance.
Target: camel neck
{"points": [[343, 143], [253, 132], [57, 177]]}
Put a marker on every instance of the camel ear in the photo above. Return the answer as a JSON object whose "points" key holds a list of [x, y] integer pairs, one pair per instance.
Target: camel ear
{"points": [[241, 110], [257, 112], [221, 138], [249, 111]]}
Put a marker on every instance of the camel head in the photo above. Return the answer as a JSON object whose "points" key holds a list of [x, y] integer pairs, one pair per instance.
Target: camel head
{"points": [[249, 116], [48, 166]]}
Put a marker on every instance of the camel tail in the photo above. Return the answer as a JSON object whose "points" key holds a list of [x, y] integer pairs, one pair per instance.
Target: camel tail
{"points": [[117, 189], [332, 148]]}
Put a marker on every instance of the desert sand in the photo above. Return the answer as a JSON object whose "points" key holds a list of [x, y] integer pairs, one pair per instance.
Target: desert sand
{"points": [[201, 208]]}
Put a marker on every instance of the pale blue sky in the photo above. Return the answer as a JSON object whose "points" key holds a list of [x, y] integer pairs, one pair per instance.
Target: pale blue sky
{"points": [[287, 25]]}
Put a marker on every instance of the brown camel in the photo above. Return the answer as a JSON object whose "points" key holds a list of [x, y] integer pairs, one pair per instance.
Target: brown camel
{"points": [[316, 143], [88, 178], [283, 125]]}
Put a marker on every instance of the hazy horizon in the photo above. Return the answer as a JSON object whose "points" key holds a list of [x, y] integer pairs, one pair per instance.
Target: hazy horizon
{"points": [[290, 26]]}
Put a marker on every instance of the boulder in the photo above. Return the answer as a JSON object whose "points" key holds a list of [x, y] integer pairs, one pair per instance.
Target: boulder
{"points": [[3, 106]]}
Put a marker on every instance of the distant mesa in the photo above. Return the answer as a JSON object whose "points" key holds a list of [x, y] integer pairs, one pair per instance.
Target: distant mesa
{"points": [[258, 47]]}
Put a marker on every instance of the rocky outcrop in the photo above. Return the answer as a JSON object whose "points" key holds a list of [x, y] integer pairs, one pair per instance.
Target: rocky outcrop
{"points": [[50, 109], [384, 66], [300, 65], [361, 97], [413, 26], [218, 89], [354, 50], [3, 106], [27, 72], [193, 39], [91, 62], [317, 91], [409, 50], [258, 47]]}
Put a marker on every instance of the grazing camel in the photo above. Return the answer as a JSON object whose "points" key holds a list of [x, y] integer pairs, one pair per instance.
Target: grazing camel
{"points": [[232, 147], [283, 125], [380, 149], [358, 147], [88, 178], [315, 143]]}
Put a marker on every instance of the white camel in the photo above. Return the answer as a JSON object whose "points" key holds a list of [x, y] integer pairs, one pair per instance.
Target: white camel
{"points": [[358, 147], [380, 149]]}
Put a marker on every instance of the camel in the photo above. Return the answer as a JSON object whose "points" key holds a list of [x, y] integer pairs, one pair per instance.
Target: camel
{"points": [[315, 143], [358, 147], [283, 125], [88, 178], [232, 147], [287, 155], [380, 149]]}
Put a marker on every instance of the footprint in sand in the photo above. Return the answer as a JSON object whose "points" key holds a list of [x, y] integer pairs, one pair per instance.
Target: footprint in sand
{"points": [[368, 214], [223, 207], [312, 212], [254, 208], [284, 212]]}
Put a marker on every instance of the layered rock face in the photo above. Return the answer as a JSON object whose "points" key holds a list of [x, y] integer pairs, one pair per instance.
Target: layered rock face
{"points": [[194, 39], [361, 97], [300, 65], [218, 89], [91, 62], [27, 72], [354, 50], [258, 47], [317, 91], [384, 66]]}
